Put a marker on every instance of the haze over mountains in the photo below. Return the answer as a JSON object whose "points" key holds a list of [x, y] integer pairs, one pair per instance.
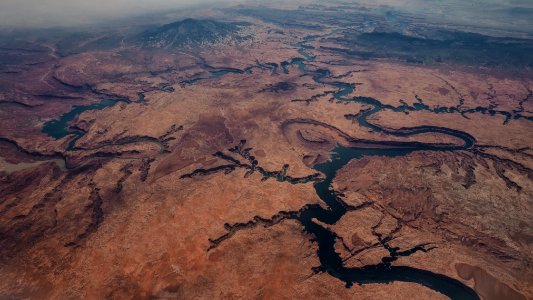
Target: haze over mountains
{"points": [[512, 15], [52, 13]]}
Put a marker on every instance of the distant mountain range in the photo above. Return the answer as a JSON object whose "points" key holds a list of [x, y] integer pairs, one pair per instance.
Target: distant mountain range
{"points": [[184, 33], [187, 32]]}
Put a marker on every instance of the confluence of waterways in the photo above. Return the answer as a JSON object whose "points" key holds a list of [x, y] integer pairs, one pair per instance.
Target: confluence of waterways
{"points": [[331, 262], [384, 272]]}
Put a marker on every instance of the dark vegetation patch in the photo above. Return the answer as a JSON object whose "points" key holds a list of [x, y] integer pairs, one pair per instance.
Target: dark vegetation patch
{"points": [[441, 47], [279, 87]]}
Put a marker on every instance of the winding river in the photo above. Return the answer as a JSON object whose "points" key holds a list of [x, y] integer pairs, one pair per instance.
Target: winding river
{"points": [[331, 262], [59, 128]]}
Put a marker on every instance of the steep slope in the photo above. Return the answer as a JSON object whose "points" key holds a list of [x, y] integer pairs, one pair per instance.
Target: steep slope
{"points": [[187, 32]]}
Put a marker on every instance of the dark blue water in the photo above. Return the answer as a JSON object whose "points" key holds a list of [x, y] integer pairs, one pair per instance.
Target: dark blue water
{"points": [[384, 272], [330, 260], [59, 128]]}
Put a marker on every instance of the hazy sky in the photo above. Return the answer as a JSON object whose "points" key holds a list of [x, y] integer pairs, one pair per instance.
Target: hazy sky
{"points": [[31, 13], [48, 13]]}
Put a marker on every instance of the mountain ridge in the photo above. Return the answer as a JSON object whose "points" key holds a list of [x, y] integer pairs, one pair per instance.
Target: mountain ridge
{"points": [[188, 31]]}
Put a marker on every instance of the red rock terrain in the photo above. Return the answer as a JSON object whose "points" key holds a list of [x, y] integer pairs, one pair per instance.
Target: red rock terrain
{"points": [[195, 181]]}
